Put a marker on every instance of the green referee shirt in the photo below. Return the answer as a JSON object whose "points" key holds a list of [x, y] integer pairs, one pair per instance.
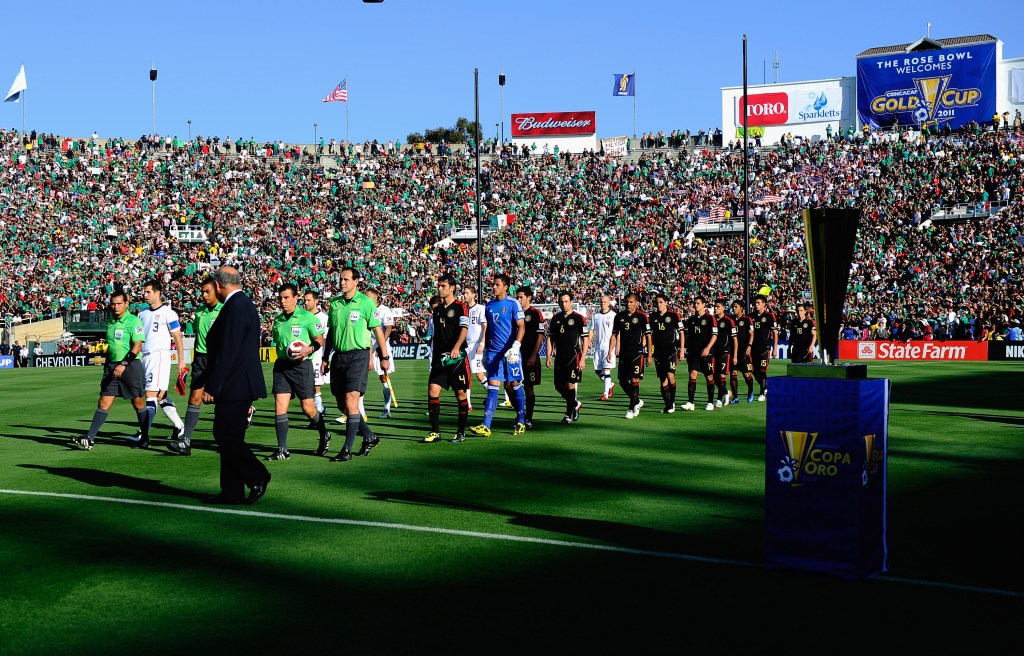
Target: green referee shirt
{"points": [[121, 333], [349, 322], [302, 324], [205, 316]]}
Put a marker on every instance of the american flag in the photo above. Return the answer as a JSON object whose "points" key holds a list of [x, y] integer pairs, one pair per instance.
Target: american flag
{"points": [[769, 198], [703, 214], [717, 212], [340, 93]]}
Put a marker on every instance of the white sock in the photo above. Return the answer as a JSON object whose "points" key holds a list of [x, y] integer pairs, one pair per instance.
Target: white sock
{"points": [[318, 401], [172, 414], [362, 409], [468, 393]]}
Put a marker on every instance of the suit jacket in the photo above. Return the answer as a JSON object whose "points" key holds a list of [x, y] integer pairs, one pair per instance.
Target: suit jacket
{"points": [[233, 352]]}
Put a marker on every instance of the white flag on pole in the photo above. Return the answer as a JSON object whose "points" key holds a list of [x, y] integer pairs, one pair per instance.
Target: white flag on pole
{"points": [[19, 85]]}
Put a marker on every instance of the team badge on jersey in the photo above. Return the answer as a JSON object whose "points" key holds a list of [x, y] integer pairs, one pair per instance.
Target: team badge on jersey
{"points": [[451, 313]]}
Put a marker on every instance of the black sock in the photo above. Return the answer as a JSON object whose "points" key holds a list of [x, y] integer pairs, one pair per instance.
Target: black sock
{"points": [[281, 428], [434, 408], [98, 418]]}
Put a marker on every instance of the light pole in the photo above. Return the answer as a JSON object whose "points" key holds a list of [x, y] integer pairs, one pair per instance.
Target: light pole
{"points": [[314, 138], [190, 129], [501, 83], [152, 78]]}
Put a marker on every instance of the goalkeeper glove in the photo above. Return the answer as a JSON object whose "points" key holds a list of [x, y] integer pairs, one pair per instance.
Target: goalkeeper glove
{"points": [[512, 355]]}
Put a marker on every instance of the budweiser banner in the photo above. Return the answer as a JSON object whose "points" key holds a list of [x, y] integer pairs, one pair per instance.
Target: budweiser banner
{"points": [[923, 351], [544, 124]]}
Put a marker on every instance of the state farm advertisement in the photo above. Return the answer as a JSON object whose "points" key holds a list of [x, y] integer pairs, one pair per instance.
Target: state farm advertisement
{"points": [[922, 351], [543, 124]]}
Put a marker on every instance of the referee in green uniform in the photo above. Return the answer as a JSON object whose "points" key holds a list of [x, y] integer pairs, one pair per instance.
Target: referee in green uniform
{"points": [[122, 372], [347, 355], [205, 316]]}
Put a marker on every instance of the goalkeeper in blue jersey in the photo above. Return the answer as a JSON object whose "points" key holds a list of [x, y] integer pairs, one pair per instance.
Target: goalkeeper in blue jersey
{"points": [[503, 339]]}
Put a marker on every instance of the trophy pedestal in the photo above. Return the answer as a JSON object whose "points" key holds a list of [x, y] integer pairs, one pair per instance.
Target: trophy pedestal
{"points": [[834, 371]]}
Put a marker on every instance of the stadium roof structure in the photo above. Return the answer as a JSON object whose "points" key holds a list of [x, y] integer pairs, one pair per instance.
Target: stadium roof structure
{"points": [[928, 43]]}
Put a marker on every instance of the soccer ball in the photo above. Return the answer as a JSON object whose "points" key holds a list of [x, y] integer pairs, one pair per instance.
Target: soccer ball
{"points": [[295, 347]]}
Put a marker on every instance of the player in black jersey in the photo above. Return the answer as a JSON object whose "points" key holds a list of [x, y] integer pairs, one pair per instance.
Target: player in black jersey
{"points": [[802, 335], [667, 336], [744, 337], [724, 351], [568, 343], [449, 366], [532, 338], [764, 345], [631, 343], [699, 338]]}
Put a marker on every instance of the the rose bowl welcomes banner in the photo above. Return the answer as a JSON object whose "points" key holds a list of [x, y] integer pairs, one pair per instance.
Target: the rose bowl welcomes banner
{"points": [[541, 125], [948, 86]]}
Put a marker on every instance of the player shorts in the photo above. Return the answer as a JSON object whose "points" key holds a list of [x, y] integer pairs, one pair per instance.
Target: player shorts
{"points": [[601, 361], [455, 376], [476, 361], [722, 367], [632, 366], [665, 365], [200, 362], [157, 365], [129, 386], [320, 379], [743, 365], [349, 370], [799, 354], [704, 364], [531, 374], [293, 378], [568, 371], [760, 357], [377, 364], [498, 368]]}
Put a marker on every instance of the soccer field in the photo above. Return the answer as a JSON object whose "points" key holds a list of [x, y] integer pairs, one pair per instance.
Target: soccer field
{"points": [[607, 534]]}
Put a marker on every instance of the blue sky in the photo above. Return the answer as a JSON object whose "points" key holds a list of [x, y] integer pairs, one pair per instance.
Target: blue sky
{"points": [[260, 68]]}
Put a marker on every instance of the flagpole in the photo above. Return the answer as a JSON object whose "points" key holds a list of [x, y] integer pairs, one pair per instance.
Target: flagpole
{"points": [[24, 101], [746, 199], [347, 142], [634, 102]]}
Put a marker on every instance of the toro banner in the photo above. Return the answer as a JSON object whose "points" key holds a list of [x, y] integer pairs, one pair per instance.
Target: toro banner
{"points": [[933, 87], [543, 124], [811, 105], [921, 351]]}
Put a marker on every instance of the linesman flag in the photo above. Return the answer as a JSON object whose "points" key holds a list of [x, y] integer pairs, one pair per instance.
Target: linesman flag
{"points": [[625, 84], [19, 85], [340, 93]]}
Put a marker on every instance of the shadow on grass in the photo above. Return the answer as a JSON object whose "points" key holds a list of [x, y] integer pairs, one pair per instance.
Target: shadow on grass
{"points": [[622, 535], [971, 390], [100, 478]]}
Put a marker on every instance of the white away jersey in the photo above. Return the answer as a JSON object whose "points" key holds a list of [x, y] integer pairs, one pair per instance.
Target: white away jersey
{"points": [[159, 324], [601, 328], [386, 318], [477, 319]]}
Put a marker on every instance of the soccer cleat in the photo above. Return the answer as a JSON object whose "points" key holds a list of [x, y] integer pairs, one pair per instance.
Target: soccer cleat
{"points": [[181, 448], [176, 434], [733, 401], [519, 429], [639, 404], [481, 430], [718, 403], [343, 456], [507, 403], [459, 437], [367, 446], [709, 406], [610, 391], [669, 409], [750, 397], [432, 437], [566, 419], [134, 438], [528, 423], [385, 414], [728, 398], [762, 397], [82, 442], [324, 446], [688, 406], [576, 412], [140, 444], [248, 418], [343, 419], [630, 414], [604, 397], [280, 454], [469, 409]]}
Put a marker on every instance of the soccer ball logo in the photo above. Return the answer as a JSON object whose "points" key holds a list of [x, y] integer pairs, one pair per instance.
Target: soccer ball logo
{"points": [[785, 473], [921, 115]]}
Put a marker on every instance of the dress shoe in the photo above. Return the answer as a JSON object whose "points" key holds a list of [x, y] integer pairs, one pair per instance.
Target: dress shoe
{"points": [[257, 491], [343, 456], [368, 445], [222, 500]]}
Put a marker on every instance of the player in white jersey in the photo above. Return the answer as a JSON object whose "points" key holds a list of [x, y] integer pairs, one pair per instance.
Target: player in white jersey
{"points": [[601, 334], [475, 339], [387, 324], [311, 301], [163, 332]]}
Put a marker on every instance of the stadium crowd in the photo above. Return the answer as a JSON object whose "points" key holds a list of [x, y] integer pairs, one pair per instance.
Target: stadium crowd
{"points": [[78, 217]]}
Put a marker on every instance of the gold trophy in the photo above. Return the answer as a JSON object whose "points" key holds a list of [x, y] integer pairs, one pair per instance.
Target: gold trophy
{"points": [[831, 234]]}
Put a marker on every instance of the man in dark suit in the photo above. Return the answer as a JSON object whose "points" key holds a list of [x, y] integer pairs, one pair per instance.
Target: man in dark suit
{"points": [[235, 380]]}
